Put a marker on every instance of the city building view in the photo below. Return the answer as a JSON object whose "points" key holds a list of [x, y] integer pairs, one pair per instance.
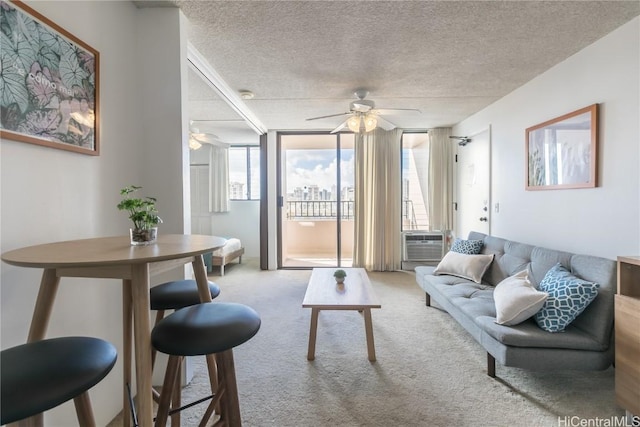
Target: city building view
{"points": [[313, 202]]}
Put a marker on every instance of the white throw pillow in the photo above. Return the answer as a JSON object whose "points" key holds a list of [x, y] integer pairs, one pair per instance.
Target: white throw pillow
{"points": [[517, 299], [471, 267]]}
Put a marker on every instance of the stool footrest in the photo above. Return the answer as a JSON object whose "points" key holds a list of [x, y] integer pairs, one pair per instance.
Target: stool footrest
{"points": [[189, 405], [132, 407]]}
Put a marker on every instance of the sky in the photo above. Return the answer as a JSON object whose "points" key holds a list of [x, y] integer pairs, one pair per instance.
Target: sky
{"points": [[317, 167]]}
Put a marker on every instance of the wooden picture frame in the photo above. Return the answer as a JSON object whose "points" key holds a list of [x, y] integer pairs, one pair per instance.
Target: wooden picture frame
{"points": [[563, 152], [50, 83]]}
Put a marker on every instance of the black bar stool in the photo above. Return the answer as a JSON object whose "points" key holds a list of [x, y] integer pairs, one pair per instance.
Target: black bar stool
{"points": [[172, 295], [204, 329], [41, 375]]}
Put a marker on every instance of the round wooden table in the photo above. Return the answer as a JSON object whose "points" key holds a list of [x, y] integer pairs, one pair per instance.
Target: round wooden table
{"points": [[115, 258]]}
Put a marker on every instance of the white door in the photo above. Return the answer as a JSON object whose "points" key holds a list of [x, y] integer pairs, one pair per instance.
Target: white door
{"points": [[200, 215], [474, 185]]}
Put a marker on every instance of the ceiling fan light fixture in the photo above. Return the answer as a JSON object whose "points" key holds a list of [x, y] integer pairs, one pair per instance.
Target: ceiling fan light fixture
{"points": [[194, 144], [362, 123], [370, 122], [354, 123]]}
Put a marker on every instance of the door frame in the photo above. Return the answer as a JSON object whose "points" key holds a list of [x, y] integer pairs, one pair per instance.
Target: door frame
{"points": [[457, 198], [264, 205], [280, 197]]}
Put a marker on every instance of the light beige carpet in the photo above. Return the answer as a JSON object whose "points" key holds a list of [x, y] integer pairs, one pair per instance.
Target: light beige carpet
{"points": [[429, 371]]}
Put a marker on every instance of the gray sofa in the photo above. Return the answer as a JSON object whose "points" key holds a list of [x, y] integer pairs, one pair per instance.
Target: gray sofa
{"points": [[586, 344]]}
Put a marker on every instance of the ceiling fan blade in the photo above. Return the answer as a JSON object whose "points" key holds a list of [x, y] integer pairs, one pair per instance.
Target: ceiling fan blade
{"points": [[201, 137], [330, 115], [385, 124], [208, 138], [340, 127], [197, 134], [395, 110]]}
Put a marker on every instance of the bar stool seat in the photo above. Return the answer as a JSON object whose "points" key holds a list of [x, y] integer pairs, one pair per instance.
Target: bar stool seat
{"points": [[203, 329], [41, 375], [178, 294]]}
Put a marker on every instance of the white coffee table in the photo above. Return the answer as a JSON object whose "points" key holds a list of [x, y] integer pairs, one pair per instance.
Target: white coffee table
{"points": [[356, 294]]}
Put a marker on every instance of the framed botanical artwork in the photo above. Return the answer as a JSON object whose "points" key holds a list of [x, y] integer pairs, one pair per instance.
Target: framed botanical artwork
{"points": [[563, 152], [49, 83]]}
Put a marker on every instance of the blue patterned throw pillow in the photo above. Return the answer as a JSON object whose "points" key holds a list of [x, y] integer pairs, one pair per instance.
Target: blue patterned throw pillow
{"points": [[468, 247], [568, 297]]}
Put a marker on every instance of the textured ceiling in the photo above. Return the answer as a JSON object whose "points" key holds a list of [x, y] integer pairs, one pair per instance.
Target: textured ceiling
{"points": [[449, 59]]}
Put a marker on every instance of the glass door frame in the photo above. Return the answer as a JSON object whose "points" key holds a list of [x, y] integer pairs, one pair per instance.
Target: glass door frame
{"points": [[280, 196]]}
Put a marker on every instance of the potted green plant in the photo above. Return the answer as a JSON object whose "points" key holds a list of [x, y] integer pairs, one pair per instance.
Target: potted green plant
{"points": [[143, 213], [339, 275]]}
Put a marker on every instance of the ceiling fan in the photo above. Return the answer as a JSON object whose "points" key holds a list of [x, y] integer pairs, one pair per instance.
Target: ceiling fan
{"points": [[364, 116], [197, 138]]}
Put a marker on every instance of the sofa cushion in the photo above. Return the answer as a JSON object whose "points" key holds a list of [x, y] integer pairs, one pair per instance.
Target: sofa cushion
{"points": [[597, 318], [528, 334], [509, 257], [470, 267], [543, 260], [516, 299], [472, 299], [568, 297], [469, 247]]}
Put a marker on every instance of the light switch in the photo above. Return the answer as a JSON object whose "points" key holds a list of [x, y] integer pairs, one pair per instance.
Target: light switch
{"points": [[496, 207]]}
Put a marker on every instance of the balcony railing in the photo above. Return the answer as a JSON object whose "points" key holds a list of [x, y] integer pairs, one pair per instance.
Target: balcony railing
{"points": [[319, 209], [408, 214], [327, 209]]}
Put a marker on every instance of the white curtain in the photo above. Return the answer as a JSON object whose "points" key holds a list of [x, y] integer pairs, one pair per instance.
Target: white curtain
{"points": [[219, 179], [440, 194], [377, 244]]}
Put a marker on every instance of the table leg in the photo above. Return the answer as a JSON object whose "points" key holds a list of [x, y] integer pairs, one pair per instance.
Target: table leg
{"points": [[312, 333], [44, 305], [142, 340], [368, 327], [200, 271], [127, 328]]}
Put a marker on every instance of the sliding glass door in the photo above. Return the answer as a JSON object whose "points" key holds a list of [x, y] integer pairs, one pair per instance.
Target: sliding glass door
{"points": [[315, 200]]}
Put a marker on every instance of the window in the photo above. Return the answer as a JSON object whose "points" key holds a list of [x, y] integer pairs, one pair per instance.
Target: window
{"points": [[244, 172], [415, 163]]}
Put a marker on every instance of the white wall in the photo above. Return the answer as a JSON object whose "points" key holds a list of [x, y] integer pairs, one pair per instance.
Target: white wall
{"points": [[603, 221], [242, 222], [49, 195], [163, 128]]}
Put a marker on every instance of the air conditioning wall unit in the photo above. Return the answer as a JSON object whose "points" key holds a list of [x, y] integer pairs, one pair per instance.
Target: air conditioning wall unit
{"points": [[422, 245]]}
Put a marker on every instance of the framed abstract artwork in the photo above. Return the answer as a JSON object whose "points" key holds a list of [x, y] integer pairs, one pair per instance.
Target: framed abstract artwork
{"points": [[49, 83], [563, 152]]}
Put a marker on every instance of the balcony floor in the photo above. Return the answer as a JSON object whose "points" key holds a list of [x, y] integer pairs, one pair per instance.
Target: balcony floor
{"points": [[315, 261]]}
